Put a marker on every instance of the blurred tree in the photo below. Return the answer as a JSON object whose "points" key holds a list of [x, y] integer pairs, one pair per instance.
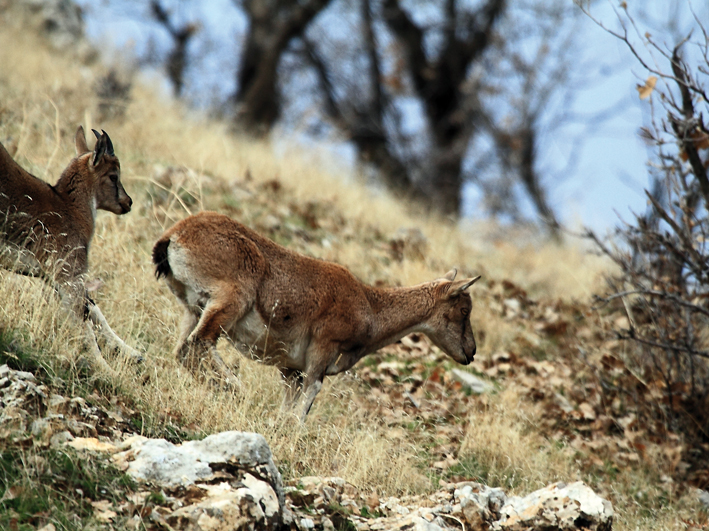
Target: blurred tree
{"points": [[480, 80], [433, 95], [272, 26], [176, 61], [437, 80]]}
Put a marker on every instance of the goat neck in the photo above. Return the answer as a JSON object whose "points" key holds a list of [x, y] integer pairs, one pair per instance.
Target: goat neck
{"points": [[397, 312]]}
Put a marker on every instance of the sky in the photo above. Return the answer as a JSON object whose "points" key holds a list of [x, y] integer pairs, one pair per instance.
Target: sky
{"points": [[610, 175]]}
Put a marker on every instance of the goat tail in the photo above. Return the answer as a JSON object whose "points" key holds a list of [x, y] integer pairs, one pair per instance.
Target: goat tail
{"points": [[162, 266]]}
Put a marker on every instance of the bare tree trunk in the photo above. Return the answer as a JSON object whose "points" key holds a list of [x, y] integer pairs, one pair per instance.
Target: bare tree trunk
{"points": [[439, 85], [273, 23], [177, 62]]}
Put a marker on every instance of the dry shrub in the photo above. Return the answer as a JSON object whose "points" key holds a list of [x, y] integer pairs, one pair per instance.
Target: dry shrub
{"points": [[662, 288]]}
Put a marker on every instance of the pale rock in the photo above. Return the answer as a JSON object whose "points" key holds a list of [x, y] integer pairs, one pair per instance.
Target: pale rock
{"points": [[327, 524], [306, 523], [254, 499], [557, 507], [479, 504], [512, 308], [253, 506], [472, 382], [60, 438], [703, 497], [41, 429]]}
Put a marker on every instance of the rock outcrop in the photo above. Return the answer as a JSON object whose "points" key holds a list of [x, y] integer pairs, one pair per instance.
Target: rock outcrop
{"points": [[325, 503], [231, 477]]}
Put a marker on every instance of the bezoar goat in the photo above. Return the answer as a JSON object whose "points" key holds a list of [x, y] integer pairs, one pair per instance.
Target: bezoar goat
{"points": [[308, 317], [46, 231]]}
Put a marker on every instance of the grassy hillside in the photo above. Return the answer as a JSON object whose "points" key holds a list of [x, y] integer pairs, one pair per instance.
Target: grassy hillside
{"points": [[362, 426]]}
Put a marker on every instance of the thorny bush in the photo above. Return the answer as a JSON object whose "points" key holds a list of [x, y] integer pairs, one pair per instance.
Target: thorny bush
{"points": [[662, 290]]}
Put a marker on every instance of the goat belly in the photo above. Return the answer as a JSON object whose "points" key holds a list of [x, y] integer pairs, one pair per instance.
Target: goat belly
{"points": [[256, 339]]}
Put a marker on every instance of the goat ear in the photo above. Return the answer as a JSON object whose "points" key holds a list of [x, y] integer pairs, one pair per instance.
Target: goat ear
{"points": [[99, 148], [456, 288], [80, 142], [450, 275]]}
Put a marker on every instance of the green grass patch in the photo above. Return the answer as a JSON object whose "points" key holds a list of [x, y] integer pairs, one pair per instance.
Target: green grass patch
{"points": [[56, 486]]}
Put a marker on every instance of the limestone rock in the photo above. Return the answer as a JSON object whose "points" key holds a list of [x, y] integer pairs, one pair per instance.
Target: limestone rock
{"points": [[252, 506], [472, 382], [252, 497], [558, 506], [480, 505]]}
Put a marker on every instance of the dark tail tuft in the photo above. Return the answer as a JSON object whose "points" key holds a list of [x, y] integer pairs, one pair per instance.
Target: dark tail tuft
{"points": [[162, 266]]}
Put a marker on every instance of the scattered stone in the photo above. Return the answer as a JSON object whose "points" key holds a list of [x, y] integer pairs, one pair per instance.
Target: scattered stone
{"points": [[703, 498], [557, 506], [472, 382], [466, 505], [480, 505]]}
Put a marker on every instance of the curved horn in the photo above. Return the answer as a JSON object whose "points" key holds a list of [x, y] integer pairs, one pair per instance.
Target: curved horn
{"points": [[109, 144], [99, 148]]}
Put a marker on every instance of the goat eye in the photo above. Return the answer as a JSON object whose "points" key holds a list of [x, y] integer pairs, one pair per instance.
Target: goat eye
{"points": [[114, 178], [465, 312]]}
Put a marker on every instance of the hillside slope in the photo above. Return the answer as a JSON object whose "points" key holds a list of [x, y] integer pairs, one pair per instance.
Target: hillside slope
{"points": [[400, 421]]}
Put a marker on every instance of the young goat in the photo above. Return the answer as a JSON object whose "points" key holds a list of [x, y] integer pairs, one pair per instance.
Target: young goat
{"points": [[308, 317], [45, 231]]}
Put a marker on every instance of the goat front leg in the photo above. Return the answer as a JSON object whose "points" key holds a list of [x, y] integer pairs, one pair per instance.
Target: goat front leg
{"points": [[312, 383], [73, 301], [107, 333]]}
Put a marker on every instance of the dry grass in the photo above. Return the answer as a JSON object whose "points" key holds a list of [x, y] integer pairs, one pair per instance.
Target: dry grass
{"points": [[45, 95]]}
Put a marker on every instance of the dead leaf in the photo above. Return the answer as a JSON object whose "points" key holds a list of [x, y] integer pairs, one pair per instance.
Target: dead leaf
{"points": [[646, 90], [102, 511], [587, 411]]}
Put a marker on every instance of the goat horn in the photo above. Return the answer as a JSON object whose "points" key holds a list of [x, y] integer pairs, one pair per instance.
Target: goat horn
{"points": [[109, 144], [96, 133]]}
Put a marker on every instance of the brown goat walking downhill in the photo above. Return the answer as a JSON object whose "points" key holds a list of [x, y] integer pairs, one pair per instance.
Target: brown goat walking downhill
{"points": [[308, 317], [46, 231]]}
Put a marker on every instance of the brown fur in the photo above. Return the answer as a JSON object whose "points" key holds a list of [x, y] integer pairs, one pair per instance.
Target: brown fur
{"points": [[308, 317], [46, 230]]}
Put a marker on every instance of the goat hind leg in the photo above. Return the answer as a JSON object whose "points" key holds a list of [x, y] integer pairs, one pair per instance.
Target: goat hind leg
{"points": [[189, 321], [217, 317]]}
